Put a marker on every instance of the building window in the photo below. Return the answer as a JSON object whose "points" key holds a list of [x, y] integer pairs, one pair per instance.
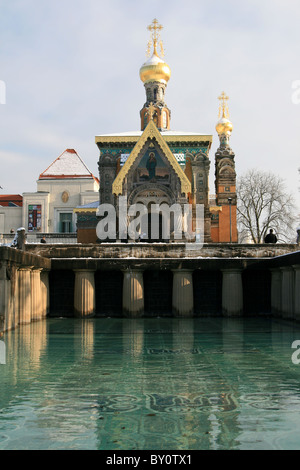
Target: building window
{"points": [[65, 222], [164, 119], [227, 189], [34, 218]]}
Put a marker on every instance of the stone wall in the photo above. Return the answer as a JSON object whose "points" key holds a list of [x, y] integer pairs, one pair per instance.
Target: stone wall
{"points": [[161, 250]]}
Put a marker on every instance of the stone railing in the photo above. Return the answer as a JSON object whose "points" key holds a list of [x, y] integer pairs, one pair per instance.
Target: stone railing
{"points": [[52, 238]]}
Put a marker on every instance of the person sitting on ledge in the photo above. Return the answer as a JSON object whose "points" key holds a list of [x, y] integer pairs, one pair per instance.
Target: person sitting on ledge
{"points": [[298, 236], [271, 237], [43, 240]]}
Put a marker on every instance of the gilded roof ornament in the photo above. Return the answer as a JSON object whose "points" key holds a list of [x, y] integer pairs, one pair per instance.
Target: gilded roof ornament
{"points": [[155, 68], [150, 111], [223, 108], [155, 29], [224, 125]]}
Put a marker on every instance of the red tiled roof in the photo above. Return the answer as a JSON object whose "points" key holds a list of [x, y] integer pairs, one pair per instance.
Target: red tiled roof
{"points": [[5, 199]]}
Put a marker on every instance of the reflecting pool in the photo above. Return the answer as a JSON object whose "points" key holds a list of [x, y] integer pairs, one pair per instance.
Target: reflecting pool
{"points": [[155, 384]]}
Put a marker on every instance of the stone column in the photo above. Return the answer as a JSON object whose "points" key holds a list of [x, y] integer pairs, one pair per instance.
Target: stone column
{"points": [[133, 293], [84, 293], [297, 292], [183, 294], [4, 297], [232, 292], [276, 292], [24, 295], [36, 295], [17, 299], [45, 292], [287, 292]]}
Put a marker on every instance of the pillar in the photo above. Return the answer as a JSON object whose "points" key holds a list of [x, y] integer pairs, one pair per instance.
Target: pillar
{"points": [[287, 292], [4, 296], [276, 292], [24, 295], [183, 294], [232, 292], [16, 315], [84, 293], [45, 292], [36, 295], [297, 292], [133, 293]]}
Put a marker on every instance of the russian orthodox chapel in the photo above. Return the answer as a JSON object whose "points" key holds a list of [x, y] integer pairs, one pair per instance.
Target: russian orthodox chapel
{"points": [[158, 165]]}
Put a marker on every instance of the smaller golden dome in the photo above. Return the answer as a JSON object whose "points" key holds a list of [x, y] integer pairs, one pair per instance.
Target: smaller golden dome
{"points": [[155, 70], [224, 126]]}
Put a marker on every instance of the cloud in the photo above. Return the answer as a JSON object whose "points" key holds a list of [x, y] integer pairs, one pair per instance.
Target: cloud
{"points": [[71, 70]]}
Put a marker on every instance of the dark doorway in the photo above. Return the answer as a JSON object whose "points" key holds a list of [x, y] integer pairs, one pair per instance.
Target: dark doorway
{"points": [[207, 293], [158, 293], [61, 284], [109, 289]]}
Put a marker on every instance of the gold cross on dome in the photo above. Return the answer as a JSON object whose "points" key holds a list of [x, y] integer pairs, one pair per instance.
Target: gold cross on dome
{"points": [[223, 108], [155, 29]]}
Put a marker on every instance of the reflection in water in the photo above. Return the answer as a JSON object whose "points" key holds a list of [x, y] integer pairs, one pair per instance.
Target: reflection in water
{"points": [[155, 384]]}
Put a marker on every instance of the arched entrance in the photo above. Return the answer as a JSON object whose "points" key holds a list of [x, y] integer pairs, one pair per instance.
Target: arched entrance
{"points": [[155, 225]]}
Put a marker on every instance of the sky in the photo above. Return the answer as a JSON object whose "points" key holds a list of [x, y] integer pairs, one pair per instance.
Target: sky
{"points": [[71, 72]]}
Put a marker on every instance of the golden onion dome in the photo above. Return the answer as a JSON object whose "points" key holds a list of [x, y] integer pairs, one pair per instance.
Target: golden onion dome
{"points": [[155, 70], [224, 126]]}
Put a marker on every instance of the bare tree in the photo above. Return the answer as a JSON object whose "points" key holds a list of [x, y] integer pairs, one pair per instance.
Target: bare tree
{"points": [[264, 203]]}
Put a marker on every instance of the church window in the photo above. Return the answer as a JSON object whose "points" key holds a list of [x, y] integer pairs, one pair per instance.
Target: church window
{"points": [[164, 119], [155, 94]]}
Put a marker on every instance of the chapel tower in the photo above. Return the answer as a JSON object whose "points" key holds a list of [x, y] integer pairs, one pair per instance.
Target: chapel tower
{"points": [[155, 74], [225, 178]]}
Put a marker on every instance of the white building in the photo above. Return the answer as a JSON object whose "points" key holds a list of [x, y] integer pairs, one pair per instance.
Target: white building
{"points": [[66, 184]]}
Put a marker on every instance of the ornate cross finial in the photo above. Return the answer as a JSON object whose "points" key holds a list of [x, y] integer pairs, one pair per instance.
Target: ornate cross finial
{"points": [[155, 29], [151, 110], [223, 108]]}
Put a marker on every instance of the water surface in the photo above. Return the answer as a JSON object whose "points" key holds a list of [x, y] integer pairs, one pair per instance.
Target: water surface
{"points": [[155, 384]]}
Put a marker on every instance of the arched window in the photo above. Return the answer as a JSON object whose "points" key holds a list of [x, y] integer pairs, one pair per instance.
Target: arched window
{"points": [[164, 119]]}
